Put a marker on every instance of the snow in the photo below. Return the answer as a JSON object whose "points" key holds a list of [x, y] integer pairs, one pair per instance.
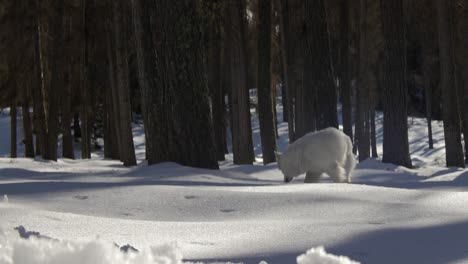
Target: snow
{"points": [[238, 214], [319, 255]]}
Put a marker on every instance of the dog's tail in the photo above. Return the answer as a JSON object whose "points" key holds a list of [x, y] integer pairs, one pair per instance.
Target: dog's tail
{"points": [[350, 160]]}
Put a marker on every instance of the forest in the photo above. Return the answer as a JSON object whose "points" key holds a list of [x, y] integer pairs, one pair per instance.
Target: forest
{"points": [[88, 69], [157, 131]]}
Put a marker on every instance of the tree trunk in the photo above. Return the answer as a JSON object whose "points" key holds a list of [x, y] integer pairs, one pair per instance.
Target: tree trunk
{"points": [[27, 131], [176, 114], [428, 99], [451, 115], [38, 108], [373, 134], [242, 131], [265, 100], [215, 80], [85, 108], [345, 79], [395, 96], [362, 98], [287, 62], [50, 50], [120, 88], [13, 130], [310, 96], [67, 92], [318, 46]]}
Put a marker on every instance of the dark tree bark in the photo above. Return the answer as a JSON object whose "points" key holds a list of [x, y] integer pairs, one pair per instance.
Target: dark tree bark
{"points": [[173, 86], [287, 57], [318, 46], [27, 130], [373, 134], [85, 107], [50, 52], [226, 82], [66, 93], [13, 130], [451, 115], [345, 77], [362, 98], [242, 145], [395, 145], [215, 79], [111, 149], [38, 107], [120, 88], [265, 106], [428, 100], [76, 127], [310, 99], [464, 74]]}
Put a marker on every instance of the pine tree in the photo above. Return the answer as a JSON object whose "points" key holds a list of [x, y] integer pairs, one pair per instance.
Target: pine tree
{"points": [[395, 145], [318, 46], [173, 86], [451, 115], [265, 100], [242, 144]]}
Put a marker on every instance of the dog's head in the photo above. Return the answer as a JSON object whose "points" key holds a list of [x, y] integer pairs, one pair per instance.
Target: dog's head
{"points": [[285, 168]]}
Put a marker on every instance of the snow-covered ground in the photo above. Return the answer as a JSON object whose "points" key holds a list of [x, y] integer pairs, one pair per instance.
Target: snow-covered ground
{"points": [[237, 214]]}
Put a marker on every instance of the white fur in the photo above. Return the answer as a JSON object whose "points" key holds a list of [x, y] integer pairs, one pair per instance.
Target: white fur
{"points": [[327, 151]]}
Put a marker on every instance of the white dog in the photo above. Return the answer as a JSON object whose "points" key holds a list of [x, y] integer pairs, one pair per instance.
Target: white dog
{"points": [[327, 151]]}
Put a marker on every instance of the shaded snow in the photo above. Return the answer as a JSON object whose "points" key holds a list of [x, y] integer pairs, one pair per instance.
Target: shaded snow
{"points": [[243, 213]]}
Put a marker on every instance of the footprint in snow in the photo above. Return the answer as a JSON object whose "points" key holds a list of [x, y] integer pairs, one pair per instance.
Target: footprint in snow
{"points": [[227, 210], [81, 197]]}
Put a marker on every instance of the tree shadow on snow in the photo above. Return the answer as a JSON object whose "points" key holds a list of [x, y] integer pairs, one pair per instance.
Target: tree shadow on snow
{"points": [[444, 243]]}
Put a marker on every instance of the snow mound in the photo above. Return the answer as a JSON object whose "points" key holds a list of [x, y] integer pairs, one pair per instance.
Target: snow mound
{"points": [[320, 256], [43, 251]]}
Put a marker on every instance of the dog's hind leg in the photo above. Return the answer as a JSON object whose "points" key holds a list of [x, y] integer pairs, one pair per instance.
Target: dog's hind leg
{"points": [[312, 177], [337, 173]]}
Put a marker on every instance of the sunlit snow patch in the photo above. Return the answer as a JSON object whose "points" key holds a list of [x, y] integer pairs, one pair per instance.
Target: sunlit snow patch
{"points": [[37, 251], [320, 256]]}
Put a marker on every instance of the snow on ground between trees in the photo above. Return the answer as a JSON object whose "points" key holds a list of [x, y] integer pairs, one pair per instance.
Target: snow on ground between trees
{"points": [[243, 214]]}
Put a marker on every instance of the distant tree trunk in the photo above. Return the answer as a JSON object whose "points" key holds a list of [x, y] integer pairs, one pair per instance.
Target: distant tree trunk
{"points": [[287, 62], [111, 150], [13, 135], [226, 83], [176, 114], [67, 94], [362, 98], [215, 79], [461, 45], [345, 79], [451, 115], [27, 130], [242, 131], [38, 108], [67, 138], [428, 100], [51, 48], [85, 109], [318, 46], [265, 100], [76, 127], [395, 145], [284, 98], [373, 134]]}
